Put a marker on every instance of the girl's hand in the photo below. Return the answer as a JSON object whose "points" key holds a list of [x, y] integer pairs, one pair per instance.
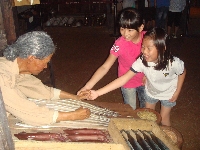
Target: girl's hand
{"points": [[174, 97], [93, 95]]}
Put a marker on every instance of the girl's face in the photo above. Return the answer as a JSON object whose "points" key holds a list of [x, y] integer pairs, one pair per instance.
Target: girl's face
{"points": [[149, 50], [129, 34], [35, 66]]}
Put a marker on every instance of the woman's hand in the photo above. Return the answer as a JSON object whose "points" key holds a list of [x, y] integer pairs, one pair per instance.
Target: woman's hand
{"points": [[82, 89], [81, 113], [84, 94]]}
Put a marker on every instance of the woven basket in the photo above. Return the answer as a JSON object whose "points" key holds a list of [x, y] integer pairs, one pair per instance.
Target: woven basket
{"points": [[174, 134], [158, 121]]}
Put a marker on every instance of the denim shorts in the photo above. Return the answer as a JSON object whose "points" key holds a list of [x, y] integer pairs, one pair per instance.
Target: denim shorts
{"points": [[129, 95], [165, 103]]}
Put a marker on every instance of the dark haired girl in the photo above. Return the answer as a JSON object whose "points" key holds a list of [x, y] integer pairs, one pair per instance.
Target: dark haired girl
{"points": [[126, 49], [165, 74]]}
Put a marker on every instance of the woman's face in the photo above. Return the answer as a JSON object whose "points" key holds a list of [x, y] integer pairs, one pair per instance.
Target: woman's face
{"points": [[35, 66], [149, 50]]}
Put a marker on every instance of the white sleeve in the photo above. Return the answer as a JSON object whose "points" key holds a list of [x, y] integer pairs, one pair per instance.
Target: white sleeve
{"points": [[55, 116], [56, 94], [137, 66], [178, 66]]}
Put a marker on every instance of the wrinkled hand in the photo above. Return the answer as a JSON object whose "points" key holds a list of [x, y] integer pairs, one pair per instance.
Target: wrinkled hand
{"points": [[81, 113], [82, 89], [83, 95], [93, 95]]}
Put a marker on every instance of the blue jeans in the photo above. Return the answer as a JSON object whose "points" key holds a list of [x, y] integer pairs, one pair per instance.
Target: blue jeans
{"points": [[161, 15], [129, 95]]}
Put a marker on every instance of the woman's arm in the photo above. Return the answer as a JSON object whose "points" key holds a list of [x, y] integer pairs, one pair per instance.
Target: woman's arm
{"points": [[79, 114], [81, 96], [100, 73]]}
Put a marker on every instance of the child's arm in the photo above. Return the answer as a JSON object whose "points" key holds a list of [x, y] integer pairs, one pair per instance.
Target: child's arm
{"points": [[100, 73], [112, 85], [179, 86]]}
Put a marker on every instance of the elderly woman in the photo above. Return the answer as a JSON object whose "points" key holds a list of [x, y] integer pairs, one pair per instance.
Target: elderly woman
{"points": [[30, 55]]}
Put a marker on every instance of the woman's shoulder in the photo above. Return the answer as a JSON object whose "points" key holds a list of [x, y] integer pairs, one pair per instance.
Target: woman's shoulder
{"points": [[3, 60], [26, 79]]}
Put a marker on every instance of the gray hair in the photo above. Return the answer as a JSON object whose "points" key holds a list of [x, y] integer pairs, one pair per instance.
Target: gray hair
{"points": [[36, 43]]}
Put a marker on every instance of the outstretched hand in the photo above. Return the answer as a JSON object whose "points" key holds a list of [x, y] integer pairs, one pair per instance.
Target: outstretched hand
{"points": [[89, 94], [93, 95]]}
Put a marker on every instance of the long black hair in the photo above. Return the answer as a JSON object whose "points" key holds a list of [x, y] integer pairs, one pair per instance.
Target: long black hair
{"points": [[159, 37]]}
